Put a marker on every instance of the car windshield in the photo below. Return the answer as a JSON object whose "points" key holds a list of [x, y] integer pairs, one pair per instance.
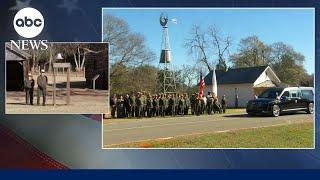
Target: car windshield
{"points": [[271, 93]]}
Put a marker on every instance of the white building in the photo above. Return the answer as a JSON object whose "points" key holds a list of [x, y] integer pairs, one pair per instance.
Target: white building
{"points": [[243, 83]]}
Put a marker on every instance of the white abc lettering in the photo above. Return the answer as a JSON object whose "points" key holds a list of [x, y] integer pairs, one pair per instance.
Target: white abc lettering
{"points": [[28, 22]]}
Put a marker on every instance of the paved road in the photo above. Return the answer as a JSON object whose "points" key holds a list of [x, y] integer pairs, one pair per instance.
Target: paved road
{"points": [[118, 131]]}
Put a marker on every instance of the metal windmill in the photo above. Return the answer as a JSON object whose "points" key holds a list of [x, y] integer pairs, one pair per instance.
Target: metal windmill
{"points": [[167, 75]]}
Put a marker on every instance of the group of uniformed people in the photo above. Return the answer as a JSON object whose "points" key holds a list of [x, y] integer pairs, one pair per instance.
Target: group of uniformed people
{"points": [[141, 104], [42, 82]]}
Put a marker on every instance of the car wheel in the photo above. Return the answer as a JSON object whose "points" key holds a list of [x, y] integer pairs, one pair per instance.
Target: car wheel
{"points": [[310, 108], [276, 110]]}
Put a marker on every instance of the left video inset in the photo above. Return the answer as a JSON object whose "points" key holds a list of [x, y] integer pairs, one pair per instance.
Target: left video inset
{"points": [[58, 78]]}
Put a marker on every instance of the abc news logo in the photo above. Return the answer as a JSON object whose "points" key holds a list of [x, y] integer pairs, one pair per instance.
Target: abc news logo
{"points": [[29, 23]]}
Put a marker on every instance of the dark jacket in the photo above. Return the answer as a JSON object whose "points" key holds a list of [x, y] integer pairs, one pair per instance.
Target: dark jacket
{"points": [[42, 81]]}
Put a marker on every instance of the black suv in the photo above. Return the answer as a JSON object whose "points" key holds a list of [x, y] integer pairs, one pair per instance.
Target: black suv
{"points": [[275, 101]]}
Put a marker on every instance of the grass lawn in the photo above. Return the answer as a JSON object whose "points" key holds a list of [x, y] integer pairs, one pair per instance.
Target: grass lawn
{"points": [[287, 136]]}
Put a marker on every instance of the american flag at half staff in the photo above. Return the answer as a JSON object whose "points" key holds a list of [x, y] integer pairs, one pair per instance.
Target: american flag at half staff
{"points": [[201, 85]]}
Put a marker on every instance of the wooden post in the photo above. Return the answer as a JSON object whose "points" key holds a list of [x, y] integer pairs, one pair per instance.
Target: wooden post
{"points": [[55, 67], [54, 86], [68, 86]]}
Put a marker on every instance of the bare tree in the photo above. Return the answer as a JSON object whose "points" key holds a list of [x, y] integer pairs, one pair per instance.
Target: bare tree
{"points": [[198, 46], [206, 44], [189, 74], [126, 48], [221, 44]]}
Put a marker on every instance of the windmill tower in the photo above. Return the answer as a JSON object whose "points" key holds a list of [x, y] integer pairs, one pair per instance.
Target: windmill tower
{"points": [[167, 76]]}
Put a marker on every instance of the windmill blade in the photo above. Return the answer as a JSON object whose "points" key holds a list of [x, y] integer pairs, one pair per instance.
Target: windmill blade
{"points": [[174, 20]]}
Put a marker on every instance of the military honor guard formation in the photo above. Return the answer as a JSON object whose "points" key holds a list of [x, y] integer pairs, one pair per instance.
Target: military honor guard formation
{"points": [[141, 104]]}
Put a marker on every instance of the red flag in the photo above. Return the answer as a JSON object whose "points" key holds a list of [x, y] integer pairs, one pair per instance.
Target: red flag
{"points": [[201, 86]]}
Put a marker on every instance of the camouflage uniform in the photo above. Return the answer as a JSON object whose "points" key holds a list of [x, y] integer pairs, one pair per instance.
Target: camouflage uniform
{"points": [[139, 102], [149, 106], [133, 103], [161, 106], [197, 106], [171, 105], [209, 104], [155, 106], [166, 104], [181, 106], [203, 105], [193, 104], [187, 100]]}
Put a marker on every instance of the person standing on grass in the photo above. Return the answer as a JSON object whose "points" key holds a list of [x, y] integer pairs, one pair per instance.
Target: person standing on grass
{"points": [[155, 105], [187, 101], [42, 82], [166, 104], [149, 105], [29, 86], [161, 105], [203, 104], [127, 105], [144, 103], [139, 103], [209, 103], [198, 105], [181, 105], [113, 103], [120, 108], [132, 100], [224, 104], [193, 103]]}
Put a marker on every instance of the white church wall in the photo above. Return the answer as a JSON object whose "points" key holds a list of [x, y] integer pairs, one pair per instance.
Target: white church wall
{"points": [[245, 93]]}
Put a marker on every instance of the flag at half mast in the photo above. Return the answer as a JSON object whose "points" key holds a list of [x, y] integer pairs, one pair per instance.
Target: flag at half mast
{"points": [[201, 85]]}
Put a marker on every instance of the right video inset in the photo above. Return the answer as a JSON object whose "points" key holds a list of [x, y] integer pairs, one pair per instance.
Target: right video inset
{"points": [[210, 78]]}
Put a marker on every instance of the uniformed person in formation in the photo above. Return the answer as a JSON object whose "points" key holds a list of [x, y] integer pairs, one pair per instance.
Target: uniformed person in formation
{"points": [[216, 104], [193, 103], [176, 104], [197, 106], [113, 103], [224, 103], [149, 105], [203, 101], [171, 105], [127, 105], [181, 105], [121, 107], [209, 103], [187, 101], [161, 105], [139, 102], [132, 100], [155, 105], [166, 103], [29, 85], [42, 81]]}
